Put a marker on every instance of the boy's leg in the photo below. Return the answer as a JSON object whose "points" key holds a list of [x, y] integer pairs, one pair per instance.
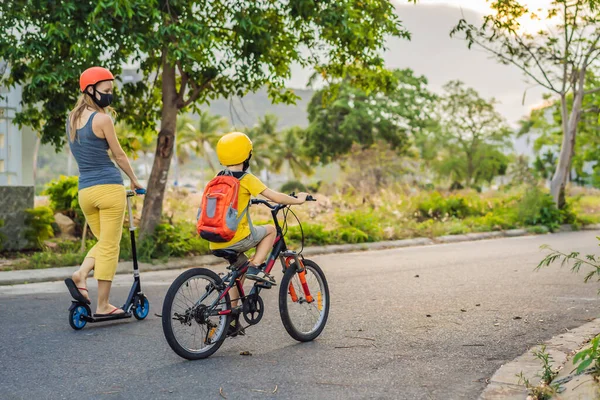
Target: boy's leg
{"points": [[256, 270], [265, 246]]}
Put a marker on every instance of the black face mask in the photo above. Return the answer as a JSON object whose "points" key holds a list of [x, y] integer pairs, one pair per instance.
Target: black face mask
{"points": [[105, 98], [247, 163]]}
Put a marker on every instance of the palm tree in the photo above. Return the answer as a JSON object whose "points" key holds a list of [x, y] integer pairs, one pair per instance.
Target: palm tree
{"points": [[198, 141], [133, 142], [265, 142], [290, 153]]}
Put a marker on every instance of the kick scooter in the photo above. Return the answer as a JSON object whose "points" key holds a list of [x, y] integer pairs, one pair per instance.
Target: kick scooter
{"points": [[136, 304]]}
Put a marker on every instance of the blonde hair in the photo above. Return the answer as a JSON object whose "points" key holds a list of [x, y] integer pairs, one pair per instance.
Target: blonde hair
{"points": [[85, 101]]}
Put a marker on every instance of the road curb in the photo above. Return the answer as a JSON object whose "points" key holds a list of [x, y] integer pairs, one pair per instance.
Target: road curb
{"points": [[57, 274], [504, 384]]}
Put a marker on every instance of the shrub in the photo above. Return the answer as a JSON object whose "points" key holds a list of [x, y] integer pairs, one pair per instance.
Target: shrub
{"points": [[170, 241], [63, 194], [314, 235], [438, 207], [353, 235], [363, 221], [39, 222], [538, 208], [293, 186]]}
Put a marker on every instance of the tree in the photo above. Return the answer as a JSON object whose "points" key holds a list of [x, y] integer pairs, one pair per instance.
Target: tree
{"points": [[134, 142], [291, 153], [359, 117], [546, 123], [188, 52], [198, 140], [472, 136], [265, 144], [210, 129], [557, 58]]}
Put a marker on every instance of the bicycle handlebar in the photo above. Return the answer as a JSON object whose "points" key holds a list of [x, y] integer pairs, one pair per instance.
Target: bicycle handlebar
{"points": [[276, 206]]}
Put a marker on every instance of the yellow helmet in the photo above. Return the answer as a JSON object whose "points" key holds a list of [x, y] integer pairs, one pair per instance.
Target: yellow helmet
{"points": [[234, 148]]}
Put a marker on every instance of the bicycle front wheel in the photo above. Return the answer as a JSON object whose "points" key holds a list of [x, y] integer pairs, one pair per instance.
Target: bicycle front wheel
{"points": [[304, 301], [189, 325]]}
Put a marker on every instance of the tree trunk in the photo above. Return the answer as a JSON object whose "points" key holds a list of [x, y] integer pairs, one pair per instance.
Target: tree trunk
{"points": [[153, 201], [146, 166], [208, 151], [567, 149]]}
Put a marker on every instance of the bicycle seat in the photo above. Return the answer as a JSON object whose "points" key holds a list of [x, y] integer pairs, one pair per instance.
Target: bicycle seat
{"points": [[235, 259], [230, 255]]}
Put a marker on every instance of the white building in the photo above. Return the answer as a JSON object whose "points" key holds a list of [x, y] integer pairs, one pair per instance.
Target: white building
{"points": [[16, 145]]}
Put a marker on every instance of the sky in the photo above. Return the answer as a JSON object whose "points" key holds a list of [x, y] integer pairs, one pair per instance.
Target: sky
{"points": [[432, 53]]}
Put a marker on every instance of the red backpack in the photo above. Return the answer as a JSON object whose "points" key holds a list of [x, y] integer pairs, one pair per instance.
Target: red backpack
{"points": [[218, 218]]}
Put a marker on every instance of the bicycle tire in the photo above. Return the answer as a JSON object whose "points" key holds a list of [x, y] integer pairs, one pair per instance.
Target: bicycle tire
{"points": [[284, 312], [167, 321]]}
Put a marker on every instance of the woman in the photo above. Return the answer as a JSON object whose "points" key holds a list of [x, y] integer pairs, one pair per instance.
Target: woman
{"points": [[102, 196]]}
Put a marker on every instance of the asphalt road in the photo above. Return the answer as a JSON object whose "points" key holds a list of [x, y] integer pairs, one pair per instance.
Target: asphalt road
{"points": [[379, 342]]}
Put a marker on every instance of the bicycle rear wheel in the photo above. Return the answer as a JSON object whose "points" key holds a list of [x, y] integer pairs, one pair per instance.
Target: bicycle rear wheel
{"points": [[304, 317], [189, 329]]}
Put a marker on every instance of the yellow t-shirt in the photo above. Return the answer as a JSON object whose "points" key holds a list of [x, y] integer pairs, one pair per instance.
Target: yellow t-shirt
{"points": [[249, 186]]}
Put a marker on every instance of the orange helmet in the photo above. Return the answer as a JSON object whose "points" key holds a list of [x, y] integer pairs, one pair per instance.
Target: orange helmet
{"points": [[93, 75]]}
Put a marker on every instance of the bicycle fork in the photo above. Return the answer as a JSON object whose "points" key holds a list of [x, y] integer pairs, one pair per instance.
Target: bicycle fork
{"points": [[286, 259]]}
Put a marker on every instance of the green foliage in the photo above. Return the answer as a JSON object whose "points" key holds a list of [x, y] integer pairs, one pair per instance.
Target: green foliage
{"points": [[291, 153], [314, 235], [63, 194], [360, 226], [359, 117], [591, 355], [545, 390], [171, 241], [472, 137], [538, 208], [257, 47], [546, 122], [573, 258], [436, 206], [39, 222], [64, 198], [293, 186], [49, 259], [371, 169]]}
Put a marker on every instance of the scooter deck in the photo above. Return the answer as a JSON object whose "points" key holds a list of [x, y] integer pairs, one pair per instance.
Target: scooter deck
{"points": [[107, 318]]}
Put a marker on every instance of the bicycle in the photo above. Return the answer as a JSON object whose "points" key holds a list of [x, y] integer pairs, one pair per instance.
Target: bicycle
{"points": [[198, 306]]}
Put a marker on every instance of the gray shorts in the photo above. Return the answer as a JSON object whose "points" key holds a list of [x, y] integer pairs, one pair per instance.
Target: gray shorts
{"points": [[250, 241]]}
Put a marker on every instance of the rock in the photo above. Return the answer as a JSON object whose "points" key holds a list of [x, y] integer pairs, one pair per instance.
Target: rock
{"points": [[51, 245], [65, 224]]}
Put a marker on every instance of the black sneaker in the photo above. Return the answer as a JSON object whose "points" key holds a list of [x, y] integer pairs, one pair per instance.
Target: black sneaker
{"points": [[235, 328], [258, 274]]}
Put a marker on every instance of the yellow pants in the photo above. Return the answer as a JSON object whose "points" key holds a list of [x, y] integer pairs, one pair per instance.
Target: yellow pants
{"points": [[104, 209]]}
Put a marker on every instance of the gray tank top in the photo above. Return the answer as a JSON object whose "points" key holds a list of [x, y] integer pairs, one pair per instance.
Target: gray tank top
{"points": [[91, 154]]}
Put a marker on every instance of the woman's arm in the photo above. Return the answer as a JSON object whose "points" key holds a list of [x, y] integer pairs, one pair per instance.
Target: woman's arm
{"points": [[281, 198], [108, 130]]}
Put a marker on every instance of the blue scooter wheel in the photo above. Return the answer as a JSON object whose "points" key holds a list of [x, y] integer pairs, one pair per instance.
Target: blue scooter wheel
{"points": [[76, 317], [142, 308]]}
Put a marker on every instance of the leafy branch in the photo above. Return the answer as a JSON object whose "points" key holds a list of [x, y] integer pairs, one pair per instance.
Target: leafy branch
{"points": [[574, 259]]}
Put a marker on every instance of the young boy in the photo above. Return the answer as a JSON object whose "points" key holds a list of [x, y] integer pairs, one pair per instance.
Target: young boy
{"points": [[234, 151]]}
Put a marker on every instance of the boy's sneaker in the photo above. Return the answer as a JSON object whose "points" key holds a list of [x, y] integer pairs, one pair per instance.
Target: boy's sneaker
{"points": [[235, 328], [258, 274]]}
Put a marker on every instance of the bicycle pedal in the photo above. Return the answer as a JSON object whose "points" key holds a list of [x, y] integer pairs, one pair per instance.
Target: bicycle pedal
{"points": [[264, 285]]}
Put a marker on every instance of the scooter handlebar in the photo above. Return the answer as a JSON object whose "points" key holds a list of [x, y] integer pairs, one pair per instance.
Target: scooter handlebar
{"points": [[139, 191]]}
